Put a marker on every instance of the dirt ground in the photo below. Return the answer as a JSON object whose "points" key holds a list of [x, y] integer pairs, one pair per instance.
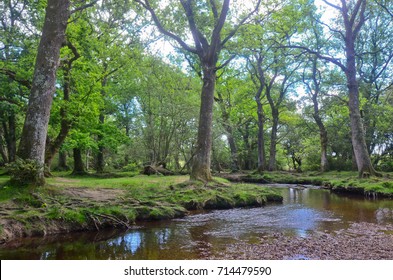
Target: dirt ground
{"points": [[95, 194]]}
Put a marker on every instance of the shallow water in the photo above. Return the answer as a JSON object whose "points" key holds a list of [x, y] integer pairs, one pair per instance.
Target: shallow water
{"points": [[204, 234]]}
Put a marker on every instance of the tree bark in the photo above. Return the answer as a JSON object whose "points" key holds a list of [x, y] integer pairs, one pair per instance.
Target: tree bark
{"points": [[9, 131], [100, 153], [202, 158], [100, 162], [323, 136], [233, 148], [324, 141], [11, 141], [32, 144], [248, 161], [3, 151], [79, 168], [261, 128], [363, 161], [62, 164], [273, 141], [362, 156]]}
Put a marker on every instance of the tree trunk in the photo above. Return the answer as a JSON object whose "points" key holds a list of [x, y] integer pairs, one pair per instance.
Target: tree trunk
{"points": [[324, 142], [11, 138], [273, 141], [32, 143], [323, 136], [62, 164], [248, 162], [79, 168], [233, 148], [229, 133], [100, 162], [3, 151], [53, 148], [261, 135], [100, 153], [202, 159], [363, 161]]}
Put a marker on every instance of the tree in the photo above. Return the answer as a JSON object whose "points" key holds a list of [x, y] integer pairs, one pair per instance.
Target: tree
{"points": [[225, 93], [208, 44], [313, 88], [17, 50], [32, 143], [259, 79], [53, 146], [34, 133], [375, 68], [353, 17]]}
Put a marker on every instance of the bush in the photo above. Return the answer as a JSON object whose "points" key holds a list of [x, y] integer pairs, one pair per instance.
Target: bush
{"points": [[132, 167], [26, 172]]}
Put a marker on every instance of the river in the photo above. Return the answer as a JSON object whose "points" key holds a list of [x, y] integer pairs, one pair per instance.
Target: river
{"points": [[304, 211]]}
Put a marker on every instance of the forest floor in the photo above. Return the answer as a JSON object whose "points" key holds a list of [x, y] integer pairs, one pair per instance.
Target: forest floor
{"points": [[339, 182], [68, 204]]}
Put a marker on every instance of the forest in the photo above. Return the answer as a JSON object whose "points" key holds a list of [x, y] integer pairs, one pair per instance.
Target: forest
{"points": [[291, 86], [260, 91]]}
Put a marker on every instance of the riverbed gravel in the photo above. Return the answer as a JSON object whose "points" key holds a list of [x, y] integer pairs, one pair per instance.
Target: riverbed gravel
{"points": [[360, 241]]}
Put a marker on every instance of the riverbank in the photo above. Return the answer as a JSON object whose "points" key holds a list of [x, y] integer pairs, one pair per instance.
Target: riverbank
{"points": [[68, 204], [338, 182]]}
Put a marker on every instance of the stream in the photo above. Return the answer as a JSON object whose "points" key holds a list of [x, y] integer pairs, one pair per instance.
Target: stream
{"points": [[304, 211]]}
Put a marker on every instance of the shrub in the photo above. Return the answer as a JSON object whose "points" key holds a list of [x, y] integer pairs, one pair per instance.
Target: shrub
{"points": [[132, 167]]}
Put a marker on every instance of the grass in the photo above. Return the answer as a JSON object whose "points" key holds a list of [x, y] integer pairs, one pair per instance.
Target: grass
{"points": [[337, 181], [76, 203], [69, 203]]}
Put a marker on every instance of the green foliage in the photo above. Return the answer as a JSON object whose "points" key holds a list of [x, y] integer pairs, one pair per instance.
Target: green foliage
{"points": [[25, 172], [149, 99]]}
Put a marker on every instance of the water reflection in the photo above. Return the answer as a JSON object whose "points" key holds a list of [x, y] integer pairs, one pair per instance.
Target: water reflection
{"points": [[304, 210], [131, 242]]}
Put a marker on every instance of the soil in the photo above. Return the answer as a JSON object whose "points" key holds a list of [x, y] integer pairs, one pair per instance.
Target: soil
{"points": [[96, 194], [360, 241]]}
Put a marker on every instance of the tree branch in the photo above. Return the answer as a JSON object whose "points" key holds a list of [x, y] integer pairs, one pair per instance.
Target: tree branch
{"points": [[145, 4], [74, 51], [84, 7], [226, 62], [233, 31], [13, 75], [330, 28], [361, 19], [214, 9], [385, 8], [200, 41], [332, 5], [8, 100], [326, 58], [215, 39]]}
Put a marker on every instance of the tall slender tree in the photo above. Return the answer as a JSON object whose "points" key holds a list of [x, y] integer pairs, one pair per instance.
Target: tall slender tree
{"points": [[208, 42], [32, 143], [353, 17], [34, 133]]}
